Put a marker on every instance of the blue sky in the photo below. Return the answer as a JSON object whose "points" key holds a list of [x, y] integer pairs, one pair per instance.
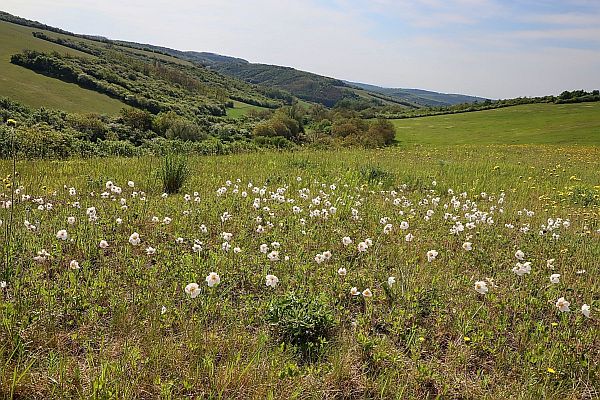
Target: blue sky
{"points": [[490, 48]]}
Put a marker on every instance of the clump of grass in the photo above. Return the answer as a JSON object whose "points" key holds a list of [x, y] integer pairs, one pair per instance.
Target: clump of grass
{"points": [[299, 163], [174, 173], [304, 322], [375, 175]]}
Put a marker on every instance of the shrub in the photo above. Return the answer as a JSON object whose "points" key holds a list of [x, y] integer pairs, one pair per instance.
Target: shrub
{"points": [[184, 130], [302, 322], [174, 173]]}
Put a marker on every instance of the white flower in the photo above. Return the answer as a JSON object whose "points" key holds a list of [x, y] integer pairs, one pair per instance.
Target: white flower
{"points": [[522, 268], [391, 281], [272, 280], [409, 237], [103, 244], [387, 229], [155, 219], [362, 247], [327, 254], [520, 255], [109, 184], [354, 291], [213, 279], [134, 239], [62, 234], [119, 221], [276, 245], [585, 310], [369, 242], [237, 250], [468, 246], [264, 248], [179, 240], [150, 250], [3, 284], [192, 289], [71, 220], [367, 293], [197, 248], [555, 278], [167, 220], [342, 272], [404, 225], [431, 255], [163, 310], [273, 256], [346, 240], [562, 304], [131, 184], [74, 264], [227, 236], [481, 287], [319, 258]]}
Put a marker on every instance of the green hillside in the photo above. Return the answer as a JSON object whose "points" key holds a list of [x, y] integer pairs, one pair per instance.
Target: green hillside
{"points": [[76, 73], [37, 90], [526, 124]]}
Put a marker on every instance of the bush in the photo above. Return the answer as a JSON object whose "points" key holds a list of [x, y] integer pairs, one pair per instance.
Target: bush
{"points": [[186, 131], [303, 322], [174, 173]]}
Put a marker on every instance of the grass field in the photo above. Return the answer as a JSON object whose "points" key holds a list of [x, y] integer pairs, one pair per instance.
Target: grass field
{"points": [[120, 322], [240, 109], [527, 124]]}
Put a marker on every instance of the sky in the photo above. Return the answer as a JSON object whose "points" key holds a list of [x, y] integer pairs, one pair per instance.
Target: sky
{"points": [[488, 48]]}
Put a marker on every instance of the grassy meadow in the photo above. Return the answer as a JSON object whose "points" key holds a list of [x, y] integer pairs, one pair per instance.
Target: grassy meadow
{"points": [[526, 124], [240, 109], [326, 282]]}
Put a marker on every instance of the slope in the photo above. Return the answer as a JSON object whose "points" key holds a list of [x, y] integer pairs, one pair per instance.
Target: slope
{"points": [[37, 90]]}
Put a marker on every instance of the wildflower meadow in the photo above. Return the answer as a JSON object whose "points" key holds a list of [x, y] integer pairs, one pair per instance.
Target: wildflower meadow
{"points": [[418, 272]]}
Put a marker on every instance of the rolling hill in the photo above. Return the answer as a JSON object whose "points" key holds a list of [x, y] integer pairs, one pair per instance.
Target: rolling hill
{"points": [[312, 87], [279, 83]]}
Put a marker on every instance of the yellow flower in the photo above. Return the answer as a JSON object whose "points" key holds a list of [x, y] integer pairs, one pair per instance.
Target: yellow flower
{"points": [[551, 370], [11, 122], [467, 339]]}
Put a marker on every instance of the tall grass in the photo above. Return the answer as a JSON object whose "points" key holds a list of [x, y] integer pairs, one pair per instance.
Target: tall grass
{"points": [[174, 173]]}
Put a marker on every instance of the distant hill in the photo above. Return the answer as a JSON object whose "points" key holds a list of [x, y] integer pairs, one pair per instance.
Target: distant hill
{"points": [[419, 96], [305, 85], [312, 87]]}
